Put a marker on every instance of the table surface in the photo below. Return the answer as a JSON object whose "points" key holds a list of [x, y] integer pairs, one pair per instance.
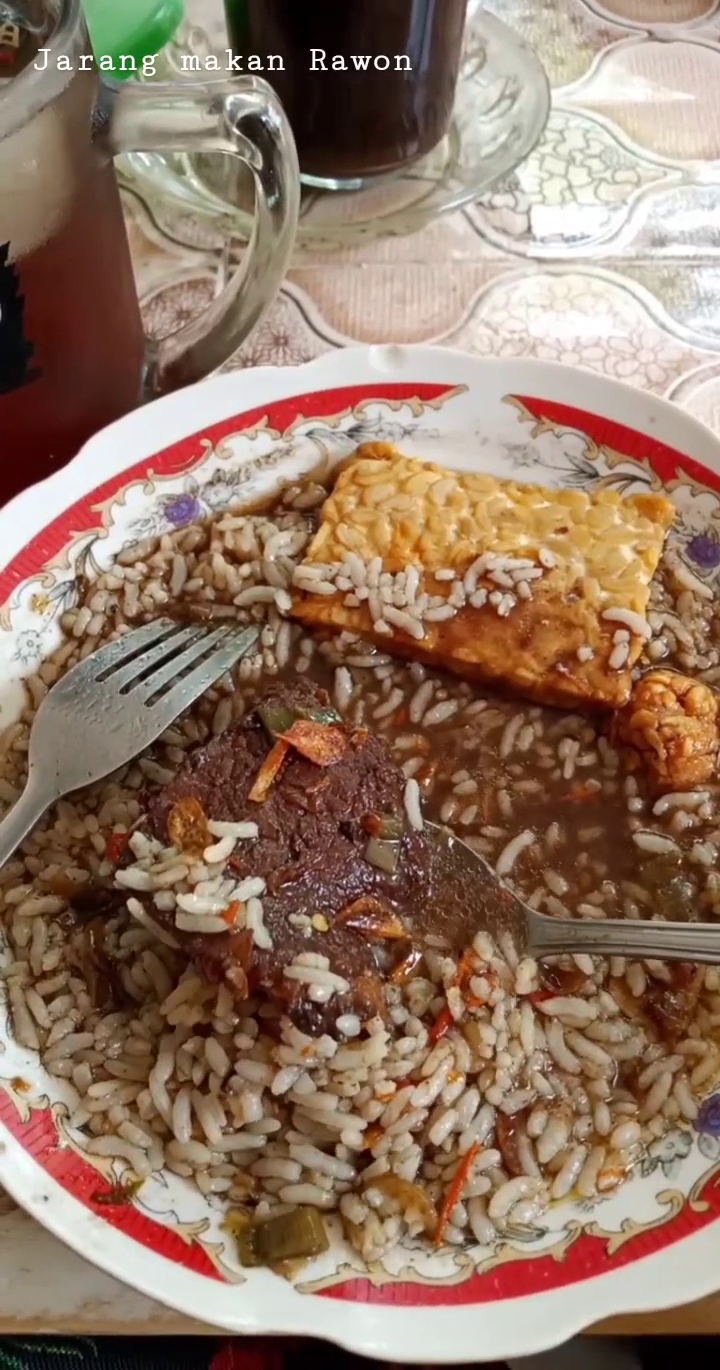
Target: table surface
{"points": [[602, 250]]}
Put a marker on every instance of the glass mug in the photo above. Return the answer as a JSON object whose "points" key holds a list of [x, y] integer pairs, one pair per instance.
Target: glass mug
{"points": [[73, 356], [368, 85]]}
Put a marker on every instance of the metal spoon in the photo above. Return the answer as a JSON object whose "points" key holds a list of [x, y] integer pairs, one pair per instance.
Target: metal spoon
{"points": [[474, 881]]}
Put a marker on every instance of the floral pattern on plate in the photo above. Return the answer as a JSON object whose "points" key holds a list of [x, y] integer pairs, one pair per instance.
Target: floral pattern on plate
{"points": [[707, 1126], [237, 468], [527, 437]]}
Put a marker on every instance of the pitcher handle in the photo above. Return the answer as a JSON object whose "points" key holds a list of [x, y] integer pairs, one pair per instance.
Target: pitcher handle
{"points": [[244, 118]]}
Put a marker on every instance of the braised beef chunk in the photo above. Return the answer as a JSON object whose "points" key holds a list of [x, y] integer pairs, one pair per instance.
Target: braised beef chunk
{"points": [[314, 826]]}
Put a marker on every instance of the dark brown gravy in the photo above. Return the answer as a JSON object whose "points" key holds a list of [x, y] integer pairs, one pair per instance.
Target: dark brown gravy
{"points": [[356, 123]]}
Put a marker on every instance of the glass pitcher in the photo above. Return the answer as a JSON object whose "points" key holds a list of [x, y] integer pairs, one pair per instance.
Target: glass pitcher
{"points": [[73, 356]]}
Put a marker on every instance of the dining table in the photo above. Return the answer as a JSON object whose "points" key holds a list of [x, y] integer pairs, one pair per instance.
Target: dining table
{"points": [[601, 250]]}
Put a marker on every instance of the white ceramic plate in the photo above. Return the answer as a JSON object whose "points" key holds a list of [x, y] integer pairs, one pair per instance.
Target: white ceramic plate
{"points": [[656, 1241]]}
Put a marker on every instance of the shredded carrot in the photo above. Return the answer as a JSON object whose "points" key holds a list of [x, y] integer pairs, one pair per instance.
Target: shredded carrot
{"points": [[321, 743], [442, 1025], [455, 1192], [445, 1020], [373, 1135], [580, 794], [115, 846], [230, 914], [269, 771], [539, 996], [466, 966]]}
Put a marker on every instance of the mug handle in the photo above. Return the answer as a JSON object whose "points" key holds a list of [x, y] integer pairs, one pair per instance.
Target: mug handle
{"points": [[246, 119]]}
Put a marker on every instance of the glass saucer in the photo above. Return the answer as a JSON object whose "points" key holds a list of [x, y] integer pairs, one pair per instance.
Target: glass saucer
{"points": [[501, 109]]}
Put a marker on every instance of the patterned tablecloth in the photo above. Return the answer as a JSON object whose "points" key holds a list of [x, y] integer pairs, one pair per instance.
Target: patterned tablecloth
{"points": [[603, 249]]}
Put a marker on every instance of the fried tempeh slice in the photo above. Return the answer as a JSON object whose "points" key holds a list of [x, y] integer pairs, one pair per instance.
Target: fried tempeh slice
{"points": [[538, 590]]}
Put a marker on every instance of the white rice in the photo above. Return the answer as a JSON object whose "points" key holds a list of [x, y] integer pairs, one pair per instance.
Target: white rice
{"points": [[215, 1089], [629, 619], [512, 851], [412, 805], [654, 842]]}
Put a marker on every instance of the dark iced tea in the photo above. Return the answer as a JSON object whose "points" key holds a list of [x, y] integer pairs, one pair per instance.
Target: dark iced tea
{"points": [[71, 341], [368, 85], [72, 353]]}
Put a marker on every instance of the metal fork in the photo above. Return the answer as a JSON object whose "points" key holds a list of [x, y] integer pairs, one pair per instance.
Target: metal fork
{"points": [[112, 705]]}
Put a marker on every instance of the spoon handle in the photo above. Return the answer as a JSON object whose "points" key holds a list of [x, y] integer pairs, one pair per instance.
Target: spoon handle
{"points": [[24, 815], [624, 937]]}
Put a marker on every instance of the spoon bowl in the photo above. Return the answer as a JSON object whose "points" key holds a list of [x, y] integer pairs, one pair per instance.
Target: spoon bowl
{"points": [[475, 882]]}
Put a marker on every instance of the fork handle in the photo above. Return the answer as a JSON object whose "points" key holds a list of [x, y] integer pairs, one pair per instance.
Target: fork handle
{"points": [[25, 813], [624, 937]]}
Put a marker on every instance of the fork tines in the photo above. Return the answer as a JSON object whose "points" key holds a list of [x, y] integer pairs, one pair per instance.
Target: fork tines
{"points": [[166, 660]]}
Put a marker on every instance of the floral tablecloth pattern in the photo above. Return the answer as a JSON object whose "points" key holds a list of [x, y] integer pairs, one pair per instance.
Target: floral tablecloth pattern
{"points": [[602, 249]]}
